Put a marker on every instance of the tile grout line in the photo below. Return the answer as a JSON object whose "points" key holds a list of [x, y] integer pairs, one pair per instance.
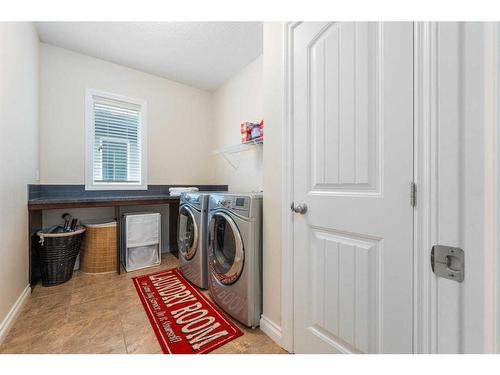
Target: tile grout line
{"points": [[63, 341], [123, 333]]}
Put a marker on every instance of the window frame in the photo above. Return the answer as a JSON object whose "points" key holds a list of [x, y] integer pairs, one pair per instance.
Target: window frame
{"points": [[90, 184]]}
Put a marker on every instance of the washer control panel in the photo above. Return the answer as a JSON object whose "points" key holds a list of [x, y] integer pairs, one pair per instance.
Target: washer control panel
{"points": [[191, 198]]}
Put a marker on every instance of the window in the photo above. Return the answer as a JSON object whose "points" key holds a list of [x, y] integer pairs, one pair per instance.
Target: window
{"points": [[115, 142]]}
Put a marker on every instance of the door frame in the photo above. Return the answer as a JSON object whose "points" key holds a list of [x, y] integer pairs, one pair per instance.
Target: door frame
{"points": [[426, 156], [425, 166], [425, 163], [492, 182], [287, 251]]}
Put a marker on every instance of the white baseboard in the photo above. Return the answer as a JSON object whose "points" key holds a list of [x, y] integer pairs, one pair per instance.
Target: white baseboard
{"points": [[9, 320], [271, 329]]}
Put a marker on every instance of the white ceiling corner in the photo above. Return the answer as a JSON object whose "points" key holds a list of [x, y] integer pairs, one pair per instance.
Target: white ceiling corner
{"points": [[199, 54]]}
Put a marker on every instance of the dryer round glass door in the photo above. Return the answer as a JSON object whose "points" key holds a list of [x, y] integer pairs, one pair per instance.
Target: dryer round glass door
{"points": [[225, 248], [187, 237]]}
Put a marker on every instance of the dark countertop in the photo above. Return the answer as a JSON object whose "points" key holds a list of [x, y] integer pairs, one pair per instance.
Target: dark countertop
{"points": [[98, 199], [54, 202], [47, 200], [62, 196]]}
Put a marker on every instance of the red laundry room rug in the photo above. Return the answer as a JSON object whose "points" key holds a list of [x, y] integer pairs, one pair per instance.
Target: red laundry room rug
{"points": [[183, 319]]}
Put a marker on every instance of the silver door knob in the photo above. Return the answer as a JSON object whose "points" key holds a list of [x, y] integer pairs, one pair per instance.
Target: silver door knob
{"points": [[299, 209]]}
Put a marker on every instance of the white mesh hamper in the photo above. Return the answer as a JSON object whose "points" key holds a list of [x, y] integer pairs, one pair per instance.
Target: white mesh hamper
{"points": [[141, 240]]}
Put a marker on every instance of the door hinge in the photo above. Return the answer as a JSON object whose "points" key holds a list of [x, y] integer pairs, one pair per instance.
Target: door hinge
{"points": [[448, 262], [413, 194]]}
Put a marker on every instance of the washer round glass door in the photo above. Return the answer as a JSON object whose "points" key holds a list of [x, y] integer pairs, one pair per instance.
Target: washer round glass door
{"points": [[225, 248], [187, 238]]}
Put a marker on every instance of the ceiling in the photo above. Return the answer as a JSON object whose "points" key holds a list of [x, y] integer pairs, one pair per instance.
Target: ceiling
{"points": [[200, 54]]}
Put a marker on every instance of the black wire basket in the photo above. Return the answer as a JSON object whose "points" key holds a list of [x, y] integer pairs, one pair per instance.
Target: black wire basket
{"points": [[58, 251]]}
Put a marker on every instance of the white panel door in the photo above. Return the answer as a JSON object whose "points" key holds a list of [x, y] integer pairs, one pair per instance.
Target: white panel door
{"points": [[353, 163]]}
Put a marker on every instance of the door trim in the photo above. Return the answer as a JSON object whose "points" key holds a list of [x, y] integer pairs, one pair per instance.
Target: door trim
{"points": [[425, 176], [492, 181], [287, 191], [426, 100]]}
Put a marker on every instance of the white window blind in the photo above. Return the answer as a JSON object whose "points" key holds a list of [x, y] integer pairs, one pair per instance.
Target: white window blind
{"points": [[117, 150]]}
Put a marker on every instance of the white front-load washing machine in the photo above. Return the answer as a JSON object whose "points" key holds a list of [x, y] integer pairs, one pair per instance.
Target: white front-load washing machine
{"points": [[235, 254], [191, 237]]}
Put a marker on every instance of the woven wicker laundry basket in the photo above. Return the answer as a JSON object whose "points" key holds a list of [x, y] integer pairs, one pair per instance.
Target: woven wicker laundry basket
{"points": [[58, 251], [99, 250]]}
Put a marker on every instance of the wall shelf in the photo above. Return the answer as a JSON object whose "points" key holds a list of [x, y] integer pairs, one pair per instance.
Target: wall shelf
{"points": [[234, 149], [240, 147]]}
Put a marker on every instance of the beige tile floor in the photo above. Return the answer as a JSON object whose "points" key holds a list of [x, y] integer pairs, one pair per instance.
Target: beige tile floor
{"points": [[101, 314]]}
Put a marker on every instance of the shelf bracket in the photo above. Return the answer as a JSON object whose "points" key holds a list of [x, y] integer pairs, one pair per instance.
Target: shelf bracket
{"points": [[233, 149], [224, 155]]}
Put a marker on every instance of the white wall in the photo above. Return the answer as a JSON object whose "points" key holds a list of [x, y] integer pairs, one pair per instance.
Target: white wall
{"points": [[237, 101], [273, 89], [176, 115], [18, 154]]}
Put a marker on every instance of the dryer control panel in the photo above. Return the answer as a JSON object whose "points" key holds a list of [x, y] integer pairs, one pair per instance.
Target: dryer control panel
{"points": [[240, 204]]}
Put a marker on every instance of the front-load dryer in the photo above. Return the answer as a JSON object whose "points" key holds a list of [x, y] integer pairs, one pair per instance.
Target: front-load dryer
{"points": [[191, 237], [235, 254]]}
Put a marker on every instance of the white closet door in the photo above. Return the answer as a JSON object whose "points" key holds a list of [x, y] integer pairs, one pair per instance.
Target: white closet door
{"points": [[353, 163]]}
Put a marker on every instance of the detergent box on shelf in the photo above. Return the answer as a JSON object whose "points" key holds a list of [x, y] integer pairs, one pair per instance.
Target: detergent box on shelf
{"points": [[251, 131]]}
